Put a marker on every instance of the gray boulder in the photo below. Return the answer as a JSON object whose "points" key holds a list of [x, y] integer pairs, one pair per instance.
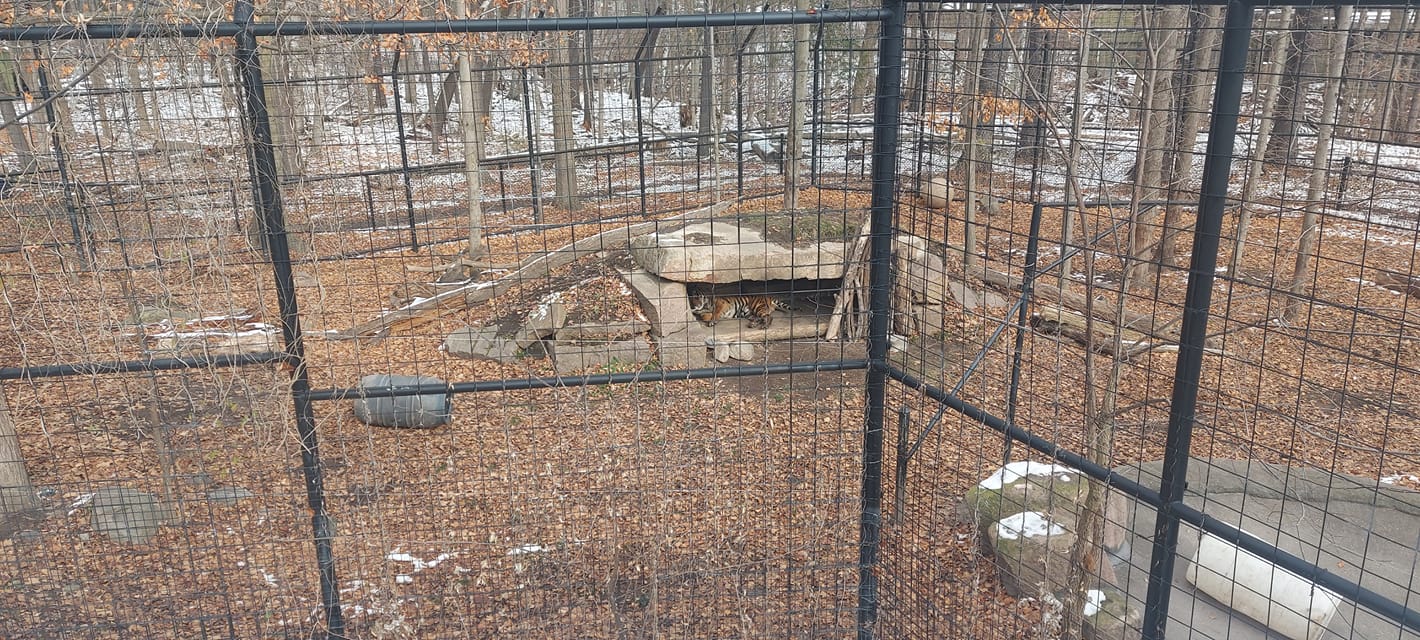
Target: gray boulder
{"points": [[127, 515], [481, 343]]}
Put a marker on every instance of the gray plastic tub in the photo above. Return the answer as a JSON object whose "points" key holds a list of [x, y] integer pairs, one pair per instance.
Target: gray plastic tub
{"points": [[423, 411]]}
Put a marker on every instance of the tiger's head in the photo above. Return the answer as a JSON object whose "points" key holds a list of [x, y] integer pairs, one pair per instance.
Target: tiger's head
{"points": [[703, 307]]}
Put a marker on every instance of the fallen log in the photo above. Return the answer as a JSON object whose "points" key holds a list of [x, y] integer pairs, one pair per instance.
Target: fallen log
{"points": [[427, 309], [1133, 320], [1068, 324], [851, 288], [1398, 283]]}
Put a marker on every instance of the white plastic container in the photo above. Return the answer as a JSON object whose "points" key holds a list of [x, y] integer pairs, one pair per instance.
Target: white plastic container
{"points": [[1279, 599]]}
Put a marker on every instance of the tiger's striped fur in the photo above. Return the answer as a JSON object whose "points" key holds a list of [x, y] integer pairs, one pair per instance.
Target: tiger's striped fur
{"points": [[755, 308]]}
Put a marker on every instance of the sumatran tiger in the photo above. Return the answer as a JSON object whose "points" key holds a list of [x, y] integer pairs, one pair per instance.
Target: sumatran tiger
{"points": [[755, 308]]}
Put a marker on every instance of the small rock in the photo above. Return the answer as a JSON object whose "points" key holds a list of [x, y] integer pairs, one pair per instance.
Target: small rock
{"points": [[1111, 615], [481, 343], [735, 350], [937, 192], [543, 321], [127, 515], [227, 496]]}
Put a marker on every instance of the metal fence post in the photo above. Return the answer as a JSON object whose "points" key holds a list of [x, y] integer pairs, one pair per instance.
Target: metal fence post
{"points": [[268, 203], [1237, 31], [886, 119]]}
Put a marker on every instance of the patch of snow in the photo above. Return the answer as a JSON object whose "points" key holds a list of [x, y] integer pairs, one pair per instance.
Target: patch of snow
{"points": [[528, 548], [268, 577], [418, 564], [1027, 524], [1017, 470], [79, 503], [1093, 599], [403, 579], [1399, 477]]}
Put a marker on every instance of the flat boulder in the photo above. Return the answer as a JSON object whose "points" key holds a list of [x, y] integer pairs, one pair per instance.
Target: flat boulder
{"points": [[481, 343], [127, 515], [805, 245]]}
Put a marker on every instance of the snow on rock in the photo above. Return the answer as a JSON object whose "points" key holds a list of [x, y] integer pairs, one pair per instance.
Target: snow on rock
{"points": [[1017, 470], [1093, 599], [1027, 524]]}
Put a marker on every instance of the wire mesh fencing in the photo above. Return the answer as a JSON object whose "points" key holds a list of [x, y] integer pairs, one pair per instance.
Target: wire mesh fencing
{"points": [[910, 321]]}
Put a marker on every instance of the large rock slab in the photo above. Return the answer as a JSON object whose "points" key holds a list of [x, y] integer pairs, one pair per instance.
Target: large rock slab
{"points": [[127, 515], [481, 343], [679, 337], [723, 251], [618, 356], [1049, 488], [1032, 553], [544, 320]]}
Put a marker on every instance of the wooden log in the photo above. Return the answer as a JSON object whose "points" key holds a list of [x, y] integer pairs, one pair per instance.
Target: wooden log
{"points": [[1068, 324], [1103, 312], [1398, 283], [848, 285], [427, 309]]}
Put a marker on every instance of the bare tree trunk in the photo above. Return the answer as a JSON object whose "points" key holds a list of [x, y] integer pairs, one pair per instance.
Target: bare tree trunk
{"points": [[972, 116], [794, 146], [1316, 186], [1077, 123], [564, 140], [1195, 92], [472, 128], [24, 153], [1291, 103], [1271, 79], [1156, 91], [706, 145], [864, 70], [16, 493]]}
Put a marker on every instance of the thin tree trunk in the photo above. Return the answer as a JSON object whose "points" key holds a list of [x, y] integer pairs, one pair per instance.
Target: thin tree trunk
{"points": [[1316, 186], [1156, 98], [24, 153], [16, 493], [564, 141], [793, 147], [706, 145], [1077, 121], [1271, 81], [972, 116], [1195, 90], [472, 128]]}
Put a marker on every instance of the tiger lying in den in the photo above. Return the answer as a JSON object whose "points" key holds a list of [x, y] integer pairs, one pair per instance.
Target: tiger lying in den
{"points": [[755, 308]]}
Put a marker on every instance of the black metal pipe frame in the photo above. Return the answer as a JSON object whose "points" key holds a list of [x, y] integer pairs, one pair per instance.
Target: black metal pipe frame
{"points": [[1027, 288], [886, 120], [1217, 165], [403, 151], [407, 27], [134, 366], [263, 159], [522, 384]]}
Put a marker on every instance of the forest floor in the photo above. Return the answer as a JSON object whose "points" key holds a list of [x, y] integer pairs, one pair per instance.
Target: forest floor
{"points": [[712, 508]]}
